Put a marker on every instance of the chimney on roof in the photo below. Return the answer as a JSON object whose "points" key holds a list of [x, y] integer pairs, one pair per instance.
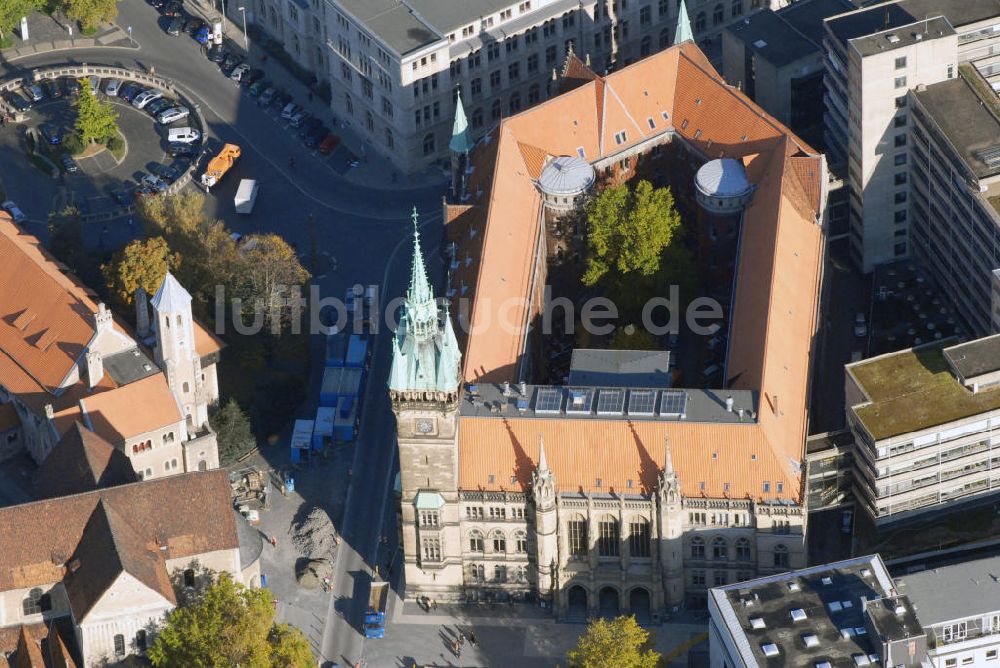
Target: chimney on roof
{"points": [[95, 368], [141, 313], [523, 388], [729, 403], [49, 412], [506, 388], [102, 319]]}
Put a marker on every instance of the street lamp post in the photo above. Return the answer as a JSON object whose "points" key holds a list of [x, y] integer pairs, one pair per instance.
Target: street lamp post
{"points": [[246, 35], [223, 17]]}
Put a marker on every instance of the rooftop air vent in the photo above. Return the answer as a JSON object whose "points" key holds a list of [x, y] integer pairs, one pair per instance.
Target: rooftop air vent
{"points": [[760, 44], [770, 649], [810, 640], [900, 609], [835, 606], [861, 660], [866, 572], [827, 582], [798, 615], [823, 664], [757, 623], [893, 38], [794, 586]]}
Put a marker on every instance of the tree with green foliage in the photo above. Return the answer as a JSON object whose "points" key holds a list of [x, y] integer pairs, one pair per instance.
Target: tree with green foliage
{"points": [[620, 642], [142, 263], [233, 432], [95, 120], [11, 13], [90, 13], [628, 230], [267, 270], [66, 242], [230, 625]]}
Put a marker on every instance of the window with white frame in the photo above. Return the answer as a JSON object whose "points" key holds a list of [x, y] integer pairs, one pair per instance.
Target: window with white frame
{"points": [[428, 518]]}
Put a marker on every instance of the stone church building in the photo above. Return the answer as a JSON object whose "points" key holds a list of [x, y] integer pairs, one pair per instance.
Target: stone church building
{"points": [[616, 491]]}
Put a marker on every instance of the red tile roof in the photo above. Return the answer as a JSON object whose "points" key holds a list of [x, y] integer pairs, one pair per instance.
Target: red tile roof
{"points": [[773, 317]]}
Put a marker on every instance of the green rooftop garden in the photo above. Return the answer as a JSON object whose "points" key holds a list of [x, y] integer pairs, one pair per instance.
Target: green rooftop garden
{"points": [[914, 390]]}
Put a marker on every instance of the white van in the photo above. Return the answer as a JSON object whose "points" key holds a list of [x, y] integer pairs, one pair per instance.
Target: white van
{"points": [[185, 135], [112, 87]]}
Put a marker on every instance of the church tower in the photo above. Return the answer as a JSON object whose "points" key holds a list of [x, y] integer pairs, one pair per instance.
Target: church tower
{"points": [[671, 532], [460, 145], [543, 489], [175, 350], [424, 384], [682, 33]]}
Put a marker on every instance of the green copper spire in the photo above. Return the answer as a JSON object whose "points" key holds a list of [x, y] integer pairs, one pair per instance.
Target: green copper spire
{"points": [[425, 353], [683, 32], [460, 142]]}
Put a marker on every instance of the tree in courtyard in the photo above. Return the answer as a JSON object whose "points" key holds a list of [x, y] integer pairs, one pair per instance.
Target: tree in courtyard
{"points": [[233, 432], [142, 263], [95, 120], [67, 245], [620, 642], [628, 230], [90, 13], [11, 13], [230, 625], [267, 270]]}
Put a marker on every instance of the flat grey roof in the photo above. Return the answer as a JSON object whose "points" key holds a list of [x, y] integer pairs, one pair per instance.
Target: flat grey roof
{"points": [[773, 598], [620, 368], [393, 22], [791, 33], [965, 121], [488, 400], [959, 12], [447, 15], [129, 366], [975, 358], [954, 592]]}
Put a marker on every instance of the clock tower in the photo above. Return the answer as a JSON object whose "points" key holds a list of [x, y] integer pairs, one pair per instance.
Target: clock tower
{"points": [[424, 385]]}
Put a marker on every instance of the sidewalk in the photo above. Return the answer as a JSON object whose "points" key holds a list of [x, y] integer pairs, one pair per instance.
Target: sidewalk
{"points": [[373, 170], [47, 34]]}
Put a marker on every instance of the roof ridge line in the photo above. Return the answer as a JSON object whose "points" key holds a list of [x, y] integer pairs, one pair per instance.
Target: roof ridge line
{"points": [[624, 107]]}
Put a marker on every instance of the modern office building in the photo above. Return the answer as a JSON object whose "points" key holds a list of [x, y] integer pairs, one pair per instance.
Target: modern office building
{"points": [[954, 193], [621, 495], [394, 65], [777, 59], [926, 425]]}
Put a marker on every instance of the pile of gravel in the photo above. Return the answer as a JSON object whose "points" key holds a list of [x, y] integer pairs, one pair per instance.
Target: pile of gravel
{"points": [[315, 536]]}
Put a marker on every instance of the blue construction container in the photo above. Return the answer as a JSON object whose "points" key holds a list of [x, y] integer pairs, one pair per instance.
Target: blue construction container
{"points": [[357, 351], [336, 348], [323, 427], [302, 441], [340, 382], [345, 421]]}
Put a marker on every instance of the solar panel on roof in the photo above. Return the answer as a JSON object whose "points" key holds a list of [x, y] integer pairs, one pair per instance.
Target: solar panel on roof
{"points": [[581, 400], [548, 400], [641, 402], [673, 402], [610, 401], [990, 155]]}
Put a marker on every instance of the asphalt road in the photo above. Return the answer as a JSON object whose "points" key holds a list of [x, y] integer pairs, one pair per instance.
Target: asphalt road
{"points": [[361, 234]]}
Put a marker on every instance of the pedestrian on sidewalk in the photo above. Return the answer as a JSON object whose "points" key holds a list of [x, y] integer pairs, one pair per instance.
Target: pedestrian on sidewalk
{"points": [[274, 541], [461, 638], [434, 603], [472, 638]]}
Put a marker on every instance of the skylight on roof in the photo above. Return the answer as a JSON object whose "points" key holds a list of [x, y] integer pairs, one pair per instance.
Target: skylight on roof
{"points": [[861, 660], [673, 402], [581, 400], [793, 586], [770, 649], [760, 44], [548, 400], [652, 123], [641, 402], [757, 623], [610, 401], [810, 640], [847, 633], [798, 614], [580, 151], [823, 664], [621, 137], [827, 581], [835, 606]]}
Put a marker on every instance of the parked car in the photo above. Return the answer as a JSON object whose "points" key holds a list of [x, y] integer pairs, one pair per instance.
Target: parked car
{"points": [[165, 172], [186, 135], [50, 133], [300, 116], [15, 212], [315, 136], [281, 100], [123, 197], [145, 97], [52, 89], [308, 125], [251, 76], [239, 71], [154, 182], [129, 91], [330, 142], [156, 106], [112, 87], [290, 110], [231, 61], [217, 54], [172, 115], [193, 25], [178, 149], [202, 36], [267, 96], [72, 86], [19, 101], [258, 87], [95, 82], [34, 92], [69, 164], [175, 26], [143, 190], [173, 8]]}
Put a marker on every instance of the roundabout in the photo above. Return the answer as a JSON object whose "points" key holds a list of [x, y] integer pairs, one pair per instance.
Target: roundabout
{"points": [[100, 182]]}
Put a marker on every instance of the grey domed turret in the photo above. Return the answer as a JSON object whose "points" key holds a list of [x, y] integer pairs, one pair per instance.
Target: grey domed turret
{"points": [[722, 186]]}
